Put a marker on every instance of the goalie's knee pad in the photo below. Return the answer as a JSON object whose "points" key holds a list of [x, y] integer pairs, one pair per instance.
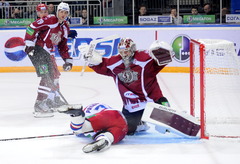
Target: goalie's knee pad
{"points": [[143, 126]]}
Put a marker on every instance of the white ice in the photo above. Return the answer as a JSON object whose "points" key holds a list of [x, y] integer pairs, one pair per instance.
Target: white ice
{"points": [[17, 96]]}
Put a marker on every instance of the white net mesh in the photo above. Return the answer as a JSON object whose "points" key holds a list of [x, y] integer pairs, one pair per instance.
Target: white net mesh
{"points": [[222, 87]]}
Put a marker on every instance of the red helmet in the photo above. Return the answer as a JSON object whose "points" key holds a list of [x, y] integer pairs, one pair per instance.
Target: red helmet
{"points": [[41, 7], [126, 48]]}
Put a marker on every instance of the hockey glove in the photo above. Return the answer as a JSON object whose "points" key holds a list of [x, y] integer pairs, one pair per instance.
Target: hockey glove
{"points": [[74, 110], [83, 48], [67, 66], [72, 34], [29, 50], [161, 52], [163, 101]]}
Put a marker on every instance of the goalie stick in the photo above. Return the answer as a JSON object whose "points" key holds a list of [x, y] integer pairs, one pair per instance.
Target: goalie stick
{"points": [[92, 46], [168, 119], [34, 137]]}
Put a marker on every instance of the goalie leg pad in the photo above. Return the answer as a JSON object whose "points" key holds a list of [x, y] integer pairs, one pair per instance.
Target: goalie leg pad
{"points": [[174, 121]]}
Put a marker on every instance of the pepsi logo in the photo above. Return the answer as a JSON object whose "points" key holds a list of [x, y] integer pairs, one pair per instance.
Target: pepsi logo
{"points": [[14, 49]]}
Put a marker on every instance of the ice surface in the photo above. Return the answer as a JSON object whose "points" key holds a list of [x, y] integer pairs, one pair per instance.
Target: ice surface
{"points": [[17, 95]]}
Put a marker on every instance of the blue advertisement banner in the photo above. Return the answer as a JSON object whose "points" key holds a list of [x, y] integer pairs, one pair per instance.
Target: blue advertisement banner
{"points": [[154, 19], [235, 6]]}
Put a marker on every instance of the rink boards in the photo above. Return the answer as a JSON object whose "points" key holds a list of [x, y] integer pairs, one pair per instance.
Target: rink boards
{"points": [[14, 59]]}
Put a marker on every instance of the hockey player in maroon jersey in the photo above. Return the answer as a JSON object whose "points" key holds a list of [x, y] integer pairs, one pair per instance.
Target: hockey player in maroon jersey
{"points": [[104, 124], [42, 10], [41, 38], [134, 73]]}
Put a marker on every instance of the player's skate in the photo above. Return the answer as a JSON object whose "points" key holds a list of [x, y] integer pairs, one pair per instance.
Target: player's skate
{"points": [[102, 142], [43, 109], [142, 126], [97, 145]]}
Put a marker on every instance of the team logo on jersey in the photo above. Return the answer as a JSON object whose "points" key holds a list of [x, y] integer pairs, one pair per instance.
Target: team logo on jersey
{"points": [[30, 31], [14, 49], [56, 37], [130, 95], [95, 108], [43, 69], [181, 48], [128, 76]]}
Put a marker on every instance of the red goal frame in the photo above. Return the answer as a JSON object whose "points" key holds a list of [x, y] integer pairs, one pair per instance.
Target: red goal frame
{"points": [[201, 106], [202, 86]]}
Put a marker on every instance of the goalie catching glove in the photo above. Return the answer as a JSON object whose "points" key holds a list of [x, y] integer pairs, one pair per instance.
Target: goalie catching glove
{"points": [[161, 52]]}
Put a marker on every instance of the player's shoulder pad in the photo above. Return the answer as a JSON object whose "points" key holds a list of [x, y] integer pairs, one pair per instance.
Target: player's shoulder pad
{"points": [[49, 20], [113, 59], [142, 55]]}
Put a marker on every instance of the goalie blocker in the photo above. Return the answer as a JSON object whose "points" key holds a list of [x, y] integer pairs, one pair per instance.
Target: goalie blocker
{"points": [[89, 52], [167, 119]]}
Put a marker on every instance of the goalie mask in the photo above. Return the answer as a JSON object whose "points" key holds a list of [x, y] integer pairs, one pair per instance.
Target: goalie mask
{"points": [[126, 48]]}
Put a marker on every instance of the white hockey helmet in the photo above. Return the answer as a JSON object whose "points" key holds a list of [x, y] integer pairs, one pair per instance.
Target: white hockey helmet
{"points": [[126, 48], [95, 108], [63, 6]]}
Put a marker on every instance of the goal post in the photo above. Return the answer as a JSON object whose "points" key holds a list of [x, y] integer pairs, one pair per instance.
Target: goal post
{"points": [[215, 87]]}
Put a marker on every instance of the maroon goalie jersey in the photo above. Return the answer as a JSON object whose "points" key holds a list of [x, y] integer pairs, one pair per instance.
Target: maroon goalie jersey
{"points": [[48, 33], [137, 84]]}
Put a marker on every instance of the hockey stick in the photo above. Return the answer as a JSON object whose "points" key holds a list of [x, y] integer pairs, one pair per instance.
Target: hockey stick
{"points": [[93, 43], [33, 137], [60, 94]]}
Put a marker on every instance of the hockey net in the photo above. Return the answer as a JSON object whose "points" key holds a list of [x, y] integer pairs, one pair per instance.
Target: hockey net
{"points": [[215, 87]]}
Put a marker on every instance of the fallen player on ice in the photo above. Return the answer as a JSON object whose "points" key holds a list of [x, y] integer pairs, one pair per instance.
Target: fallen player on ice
{"points": [[108, 126]]}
